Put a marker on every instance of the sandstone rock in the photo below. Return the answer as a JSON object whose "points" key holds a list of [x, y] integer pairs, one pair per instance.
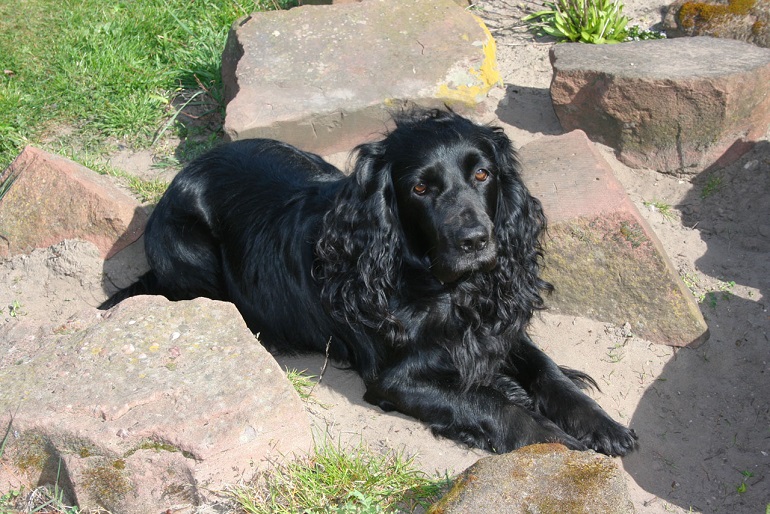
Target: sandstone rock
{"points": [[744, 20], [52, 199], [539, 478], [677, 105], [601, 255], [150, 408], [324, 77]]}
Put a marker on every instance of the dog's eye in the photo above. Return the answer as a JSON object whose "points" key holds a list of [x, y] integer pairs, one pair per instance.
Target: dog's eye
{"points": [[481, 174], [420, 188]]}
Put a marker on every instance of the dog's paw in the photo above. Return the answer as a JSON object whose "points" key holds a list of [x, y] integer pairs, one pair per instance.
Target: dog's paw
{"points": [[583, 418], [611, 438]]}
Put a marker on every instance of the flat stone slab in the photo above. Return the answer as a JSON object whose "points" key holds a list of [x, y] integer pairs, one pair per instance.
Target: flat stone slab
{"points": [[323, 78], [601, 255], [539, 478], [53, 198], [677, 106], [149, 409]]}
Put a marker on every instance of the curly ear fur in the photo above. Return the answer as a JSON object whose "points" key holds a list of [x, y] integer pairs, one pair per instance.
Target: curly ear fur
{"points": [[359, 249], [504, 299], [519, 224]]}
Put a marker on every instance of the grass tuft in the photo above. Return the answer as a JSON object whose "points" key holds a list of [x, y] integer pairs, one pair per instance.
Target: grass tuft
{"points": [[342, 481]]}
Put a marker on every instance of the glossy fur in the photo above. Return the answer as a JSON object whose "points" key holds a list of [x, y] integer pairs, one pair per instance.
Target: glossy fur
{"points": [[421, 268]]}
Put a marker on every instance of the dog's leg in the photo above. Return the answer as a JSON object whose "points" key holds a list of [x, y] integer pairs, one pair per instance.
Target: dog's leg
{"points": [[481, 417], [559, 398]]}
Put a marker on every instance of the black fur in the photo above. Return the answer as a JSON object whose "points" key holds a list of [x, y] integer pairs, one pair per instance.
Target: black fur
{"points": [[422, 268]]}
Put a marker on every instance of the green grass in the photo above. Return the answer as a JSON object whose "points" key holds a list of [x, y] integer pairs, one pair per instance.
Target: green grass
{"points": [[80, 75], [357, 480]]}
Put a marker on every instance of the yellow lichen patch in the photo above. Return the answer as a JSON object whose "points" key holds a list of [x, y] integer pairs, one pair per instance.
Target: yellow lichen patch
{"points": [[692, 13], [480, 80]]}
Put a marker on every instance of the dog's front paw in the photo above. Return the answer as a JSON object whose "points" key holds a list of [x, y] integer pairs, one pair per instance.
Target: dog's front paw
{"points": [[585, 420], [610, 437]]}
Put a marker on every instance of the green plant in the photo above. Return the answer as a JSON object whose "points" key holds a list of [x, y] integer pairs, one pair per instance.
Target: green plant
{"points": [[585, 21], [341, 481], [713, 184], [663, 208], [14, 310]]}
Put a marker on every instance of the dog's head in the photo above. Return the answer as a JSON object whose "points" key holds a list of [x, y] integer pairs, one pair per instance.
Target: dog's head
{"points": [[445, 177], [441, 194]]}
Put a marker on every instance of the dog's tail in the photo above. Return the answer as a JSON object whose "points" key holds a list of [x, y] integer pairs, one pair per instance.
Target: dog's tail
{"points": [[145, 284]]}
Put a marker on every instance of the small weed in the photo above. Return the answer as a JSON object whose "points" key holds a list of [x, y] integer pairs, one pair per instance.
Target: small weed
{"points": [[14, 310], [742, 488], [302, 383], [636, 33], [616, 353], [9, 502], [663, 208], [713, 296], [712, 186]]}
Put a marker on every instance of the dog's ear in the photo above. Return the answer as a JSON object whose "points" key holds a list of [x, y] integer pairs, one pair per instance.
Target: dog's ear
{"points": [[359, 249], [519, 225]]}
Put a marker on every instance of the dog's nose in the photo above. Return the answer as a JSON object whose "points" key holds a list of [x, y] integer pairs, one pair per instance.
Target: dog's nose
{"points": [[473, 239]]}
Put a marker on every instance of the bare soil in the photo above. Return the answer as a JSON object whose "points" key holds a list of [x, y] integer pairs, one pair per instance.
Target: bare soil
{"points": [[702, 415]]}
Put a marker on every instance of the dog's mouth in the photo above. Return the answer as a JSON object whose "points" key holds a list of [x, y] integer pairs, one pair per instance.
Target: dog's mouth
{"points": [[453, 269]]}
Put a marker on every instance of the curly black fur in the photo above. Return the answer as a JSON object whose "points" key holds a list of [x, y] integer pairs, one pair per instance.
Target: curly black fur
{"points": [[421, 268]]}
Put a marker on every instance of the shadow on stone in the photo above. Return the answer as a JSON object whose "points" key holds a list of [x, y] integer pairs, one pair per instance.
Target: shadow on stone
{"points": [[529, 109]]}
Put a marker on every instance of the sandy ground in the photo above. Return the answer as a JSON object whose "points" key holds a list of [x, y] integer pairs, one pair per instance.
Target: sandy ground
{"points": [[702, 415]]}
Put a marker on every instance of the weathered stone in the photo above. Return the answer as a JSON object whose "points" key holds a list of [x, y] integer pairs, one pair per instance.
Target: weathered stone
{"points": [[149, 408], [601, 255], [744, 20], [52, 199], [539, 478], [676, 105], [325, 77]]}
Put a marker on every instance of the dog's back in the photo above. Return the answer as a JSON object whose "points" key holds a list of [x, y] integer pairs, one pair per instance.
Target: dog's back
{"points": [[234, 224]]}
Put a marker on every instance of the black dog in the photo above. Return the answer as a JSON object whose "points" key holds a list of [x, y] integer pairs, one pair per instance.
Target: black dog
{"points": [[421, 268]]}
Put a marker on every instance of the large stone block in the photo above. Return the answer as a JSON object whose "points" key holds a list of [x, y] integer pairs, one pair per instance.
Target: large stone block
{"points": [[324, 77], [601, 255], [678, 106], [52, 198], [150, 408]]}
